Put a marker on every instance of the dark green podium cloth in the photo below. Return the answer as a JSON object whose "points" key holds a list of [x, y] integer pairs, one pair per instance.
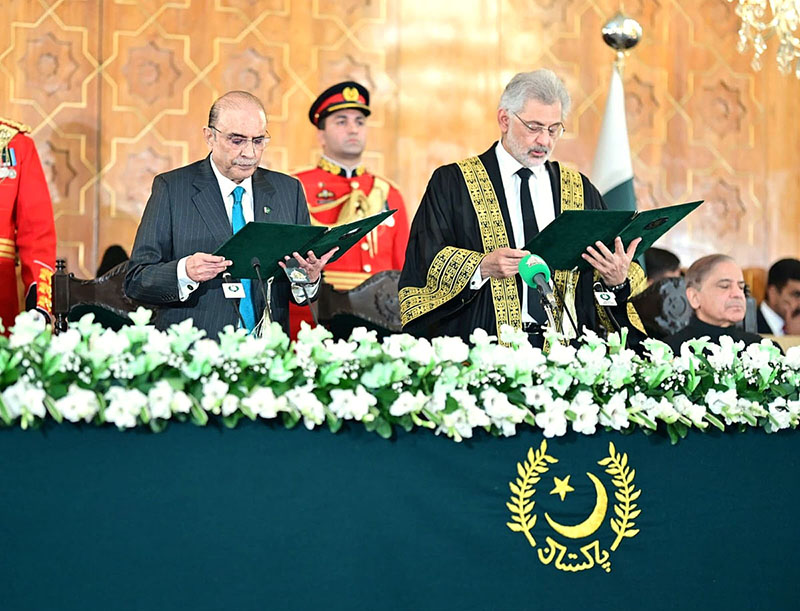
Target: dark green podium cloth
{"points": [[265, 518]]}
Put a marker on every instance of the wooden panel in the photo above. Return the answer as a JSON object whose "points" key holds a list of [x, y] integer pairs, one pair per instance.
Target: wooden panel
{"points": [[117, 91]]}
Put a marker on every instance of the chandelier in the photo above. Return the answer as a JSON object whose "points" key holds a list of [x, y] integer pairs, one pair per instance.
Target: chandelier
{"points": [[760, 24]]}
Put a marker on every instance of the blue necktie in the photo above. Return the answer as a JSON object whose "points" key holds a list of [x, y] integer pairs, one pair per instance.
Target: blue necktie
{"points": [[237, 221]]}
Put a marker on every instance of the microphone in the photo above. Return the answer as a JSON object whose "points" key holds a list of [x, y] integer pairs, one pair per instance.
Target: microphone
{"points": [[226, 279], [255, 263], [536, 274]]}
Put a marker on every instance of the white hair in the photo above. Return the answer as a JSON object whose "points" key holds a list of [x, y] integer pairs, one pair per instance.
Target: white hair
{"points": [[540, 85]]}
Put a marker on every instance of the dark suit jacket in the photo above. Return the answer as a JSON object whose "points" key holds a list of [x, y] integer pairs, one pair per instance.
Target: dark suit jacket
{"points": [[762, 326], [186, 214]]}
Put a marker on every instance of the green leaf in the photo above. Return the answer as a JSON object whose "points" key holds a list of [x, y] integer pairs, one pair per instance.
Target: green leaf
{"points": [[51, 409]]}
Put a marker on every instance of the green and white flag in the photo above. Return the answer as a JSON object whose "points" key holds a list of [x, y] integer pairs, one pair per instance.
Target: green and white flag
{"points": [[612, 171]]}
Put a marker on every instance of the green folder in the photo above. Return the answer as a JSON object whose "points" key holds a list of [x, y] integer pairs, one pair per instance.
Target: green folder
{"points": [[563, 241], [271, 242]]}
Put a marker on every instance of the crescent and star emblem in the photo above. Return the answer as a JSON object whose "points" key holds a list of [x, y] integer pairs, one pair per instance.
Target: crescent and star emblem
{"points": [[594, 549], [590, 525]]}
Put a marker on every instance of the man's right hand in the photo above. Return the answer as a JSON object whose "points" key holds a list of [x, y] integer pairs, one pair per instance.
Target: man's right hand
{"points": [[202, 266], [502, 263]]}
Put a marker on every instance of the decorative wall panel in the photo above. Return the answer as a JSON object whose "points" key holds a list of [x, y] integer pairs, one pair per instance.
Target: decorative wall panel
{"points": [[117, 91]]}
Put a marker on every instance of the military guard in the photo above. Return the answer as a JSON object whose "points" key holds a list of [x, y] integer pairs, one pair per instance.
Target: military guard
{"points": [[340, 190], [27, 228]]}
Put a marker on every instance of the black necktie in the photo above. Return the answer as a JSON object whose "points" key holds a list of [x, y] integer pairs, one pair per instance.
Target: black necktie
{"points": [[530, 230]]}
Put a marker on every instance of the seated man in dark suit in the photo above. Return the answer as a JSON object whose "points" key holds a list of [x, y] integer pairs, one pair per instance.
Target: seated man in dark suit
{"points": [[779, 313], [193, 210], [715, 290]]}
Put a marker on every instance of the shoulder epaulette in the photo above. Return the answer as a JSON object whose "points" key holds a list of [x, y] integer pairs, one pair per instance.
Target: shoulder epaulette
{"points": [[19, 127]]}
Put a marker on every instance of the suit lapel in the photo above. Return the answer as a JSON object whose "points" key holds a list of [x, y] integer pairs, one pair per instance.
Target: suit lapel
{"points": [[208, 201], [489, 161], [264, 200]]}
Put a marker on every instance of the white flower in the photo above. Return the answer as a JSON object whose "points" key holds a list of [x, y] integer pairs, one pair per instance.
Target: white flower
{"points": [[553, 419], [503, 414], [214, 390], [724, 355], [396, 346], [65, 342], [141, 316], [792, 358], [351, 405], [207, 350], [27, 327], [513, 336], [561, 354], [124, 405], [303, 399], [360, 335], [78, 404], [779, 417], [22, 396], [181, 403], [264, 404], [230, 403], [658, 352], [694, 412], [479, 337], [718, 401], [537, 396], [157, 342], [451, 349], [340, 351], [614, 412], [159, 398], [586, 413], [421, 352], [406, 403]]}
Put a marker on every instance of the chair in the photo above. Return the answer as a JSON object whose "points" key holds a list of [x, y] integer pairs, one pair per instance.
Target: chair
{"points": [[373, 304], [104, 296]]}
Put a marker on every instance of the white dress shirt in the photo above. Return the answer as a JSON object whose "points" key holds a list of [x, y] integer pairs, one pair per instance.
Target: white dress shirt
{"points": [[543, 208], [774, 320]]}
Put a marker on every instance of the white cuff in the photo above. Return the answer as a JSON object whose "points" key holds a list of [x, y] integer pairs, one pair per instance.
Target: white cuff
{"points": [[476, 281], [186, 286]]}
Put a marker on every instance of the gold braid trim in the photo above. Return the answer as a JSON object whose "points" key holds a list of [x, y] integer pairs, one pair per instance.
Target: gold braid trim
{"points": [[493, 235], [566, 281], [9, 129], [450, 271]]}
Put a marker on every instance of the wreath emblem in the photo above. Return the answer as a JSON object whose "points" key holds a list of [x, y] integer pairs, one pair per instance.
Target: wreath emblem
{"points": [[558, 553]]}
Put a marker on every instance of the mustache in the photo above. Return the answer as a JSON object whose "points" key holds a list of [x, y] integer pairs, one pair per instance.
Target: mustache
{"points": [[538, 148]]}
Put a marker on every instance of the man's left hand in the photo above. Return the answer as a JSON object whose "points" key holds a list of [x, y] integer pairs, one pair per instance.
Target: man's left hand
{"points": [[612, 266], [312, 265]]}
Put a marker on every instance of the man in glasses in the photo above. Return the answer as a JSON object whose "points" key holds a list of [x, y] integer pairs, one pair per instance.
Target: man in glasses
{"points": [[341, 190], [468, 236], [195, 209]]}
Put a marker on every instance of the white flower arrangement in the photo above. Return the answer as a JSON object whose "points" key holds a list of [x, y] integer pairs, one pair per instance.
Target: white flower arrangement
{"points": [[140, 376]]}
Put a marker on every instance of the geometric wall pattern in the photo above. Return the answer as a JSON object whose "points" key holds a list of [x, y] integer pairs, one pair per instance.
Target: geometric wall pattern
{"points": [[117, 91]]}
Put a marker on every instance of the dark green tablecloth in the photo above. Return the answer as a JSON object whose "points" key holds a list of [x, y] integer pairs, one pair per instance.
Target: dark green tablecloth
{"points": [[263, 518]]}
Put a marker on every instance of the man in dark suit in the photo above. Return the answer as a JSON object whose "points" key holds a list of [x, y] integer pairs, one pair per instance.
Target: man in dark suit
{"points": [[468, 236], [194, 209], [779, 313]]}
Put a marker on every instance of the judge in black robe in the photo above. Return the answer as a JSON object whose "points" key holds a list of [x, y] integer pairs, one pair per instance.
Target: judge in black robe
{"points": [[446, 217]]}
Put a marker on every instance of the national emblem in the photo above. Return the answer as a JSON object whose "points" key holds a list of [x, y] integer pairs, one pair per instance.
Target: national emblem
{"points": [[523, 518]]}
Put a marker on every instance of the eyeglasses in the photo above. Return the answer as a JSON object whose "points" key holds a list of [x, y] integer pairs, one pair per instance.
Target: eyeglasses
{"points": [[555, 130], [239, 142]]}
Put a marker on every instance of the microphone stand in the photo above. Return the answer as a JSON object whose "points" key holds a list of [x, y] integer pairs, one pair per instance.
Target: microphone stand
{"points": [[299, 278], [256, 264], [226, 279]]}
